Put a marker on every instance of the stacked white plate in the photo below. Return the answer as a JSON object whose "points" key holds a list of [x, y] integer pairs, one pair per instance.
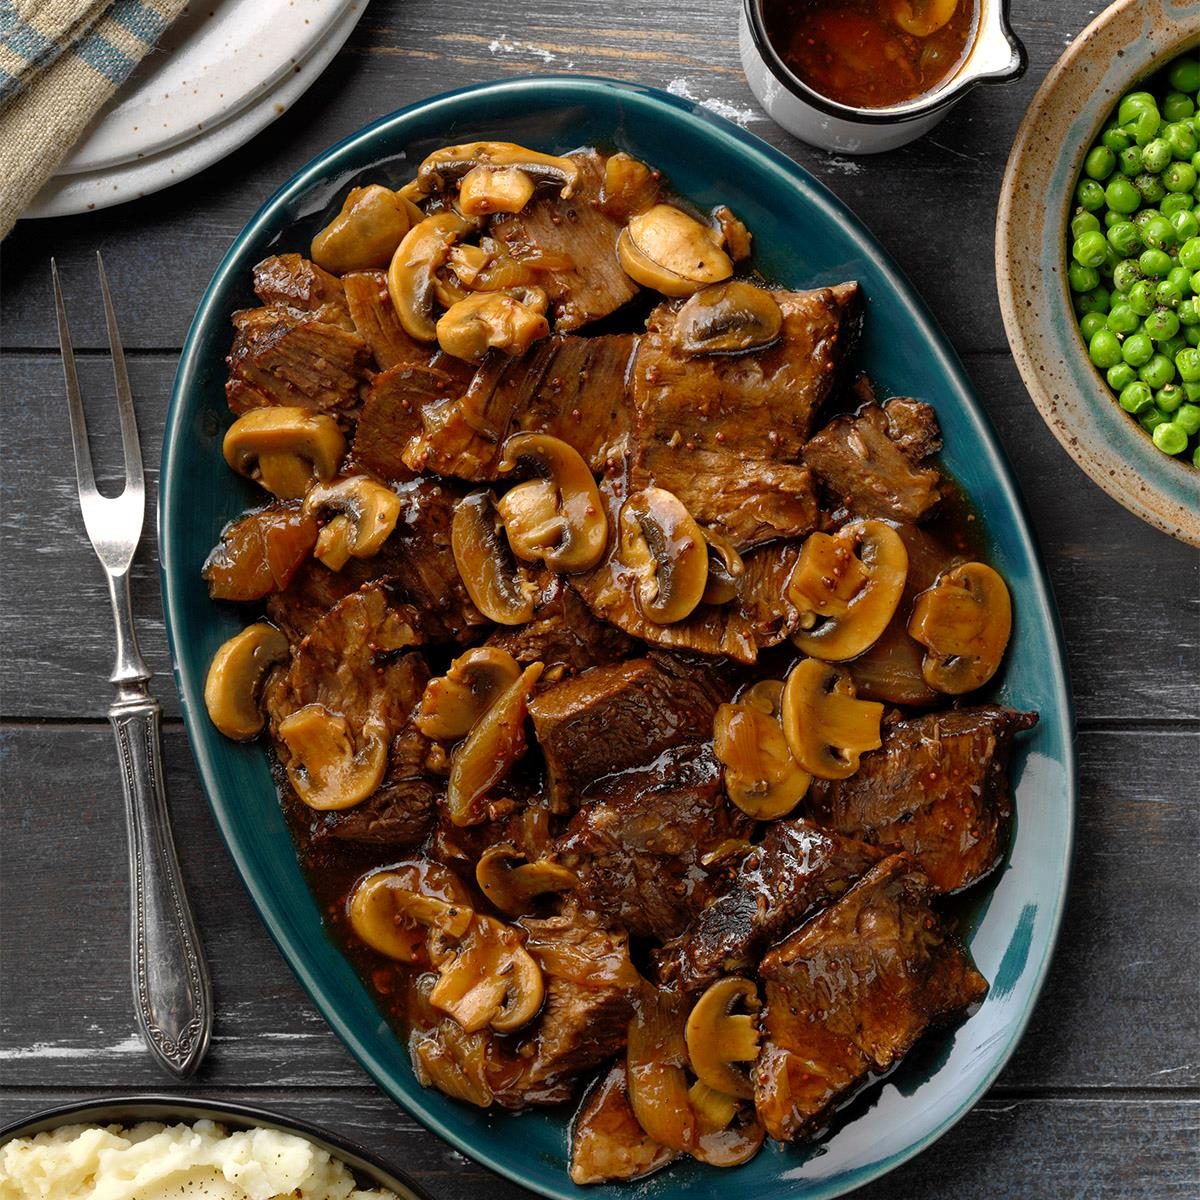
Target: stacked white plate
{"points": [[224, 71]]}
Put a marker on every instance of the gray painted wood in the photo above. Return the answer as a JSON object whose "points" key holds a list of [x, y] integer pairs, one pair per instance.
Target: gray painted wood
{"points": [[1102, 1097]]}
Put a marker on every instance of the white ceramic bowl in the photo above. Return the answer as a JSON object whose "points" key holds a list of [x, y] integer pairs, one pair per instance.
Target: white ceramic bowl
{"points": [[995, 56]]}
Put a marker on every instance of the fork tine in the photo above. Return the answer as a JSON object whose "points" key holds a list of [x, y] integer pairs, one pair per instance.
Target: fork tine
{"points": [[79, 435], [129, 432]]}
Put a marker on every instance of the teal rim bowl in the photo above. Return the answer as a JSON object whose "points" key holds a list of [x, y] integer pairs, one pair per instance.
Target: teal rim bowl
{"points": [[803, 237]]}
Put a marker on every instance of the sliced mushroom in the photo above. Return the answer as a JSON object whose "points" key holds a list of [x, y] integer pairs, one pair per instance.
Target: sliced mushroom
{"points": [[326, 770], [655, 1070], [761, 776], [453, 702], [661, 544], [365, 233], [471, 327], [629, 187], [718, 1037], [846, 588], [725, 568], [728, 318], [496, 584], [495, 743], [721, 1140], [367, 514], [488, 978], [494, 190], [826, 727], [920, 18], [284, 449], [411, 275], [235, 678], [453, 162], [964, 621], [665, 249], [580, 526], [735, 237], [392, 910], [510, 882]]}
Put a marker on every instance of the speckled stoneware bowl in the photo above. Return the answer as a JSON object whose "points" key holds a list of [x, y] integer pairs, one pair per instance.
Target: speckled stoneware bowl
{"points": [[1127, 41]]}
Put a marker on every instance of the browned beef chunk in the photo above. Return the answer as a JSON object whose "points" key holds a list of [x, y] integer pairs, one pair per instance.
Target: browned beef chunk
{"points": [[575, 230], [619, 716], [798, 868], [278, 358], [606, 1140], [873, 462], [639, 848], [937, 788], [310, 593], [590, 983], [570, 387], [391, 417], [260, 553], [292, 282], [850, 993]]}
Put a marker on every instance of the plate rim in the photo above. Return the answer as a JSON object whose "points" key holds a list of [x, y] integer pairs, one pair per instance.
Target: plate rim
{"points": [[316, 171]]}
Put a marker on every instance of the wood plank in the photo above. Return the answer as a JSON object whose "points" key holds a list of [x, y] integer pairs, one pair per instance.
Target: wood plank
{"points": [[1031, 1148], [1118, 584], [1114, 1014], [160, 251]]}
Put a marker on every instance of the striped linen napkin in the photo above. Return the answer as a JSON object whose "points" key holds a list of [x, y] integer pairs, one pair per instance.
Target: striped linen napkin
{"points": [[60, 61]]}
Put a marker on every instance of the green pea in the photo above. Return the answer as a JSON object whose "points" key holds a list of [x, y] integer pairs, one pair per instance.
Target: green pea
{"points": [[1187, 417], [1143, 215], [1177, 106], [1138, 349], [1125, 274], [1179, 177], [1115, 139], [1192, 335], [1184, 75], [1115, 218], [1122, 319], [1084, 222], [1144, 126], [1089, 195], [1171, 346], [1180, 278], [1124, 237], [1129, 163], [1121, 195], [1104, 349], [1170, 438], [1091, 249], [1154, 263], [1158, 372], [1183, 221], [1174, 202], [1188, 312], [1082, 279], [1155, 155], [1119, 376], [1151, 187], [1136, 397], [1151, 418], [1181, 139], [1195, 281], [1187, 363], [1133, 103], [1141, 297], [1158, 233], [1192, 392], [1097, 301], [1168, 398], [1101, 161], [1189, 254], [1090, 323], [1111, 259], [1167, 295]]}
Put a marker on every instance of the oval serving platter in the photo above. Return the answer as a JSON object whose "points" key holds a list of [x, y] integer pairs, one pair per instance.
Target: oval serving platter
{"points": [[804, 237]]}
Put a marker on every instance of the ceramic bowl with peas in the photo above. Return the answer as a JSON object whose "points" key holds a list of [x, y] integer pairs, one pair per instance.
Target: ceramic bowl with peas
{"points": [[1098, 257]]}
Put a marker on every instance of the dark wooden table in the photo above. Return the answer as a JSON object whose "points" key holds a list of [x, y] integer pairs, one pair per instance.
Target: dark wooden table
{"points": [[1103, 1096]]}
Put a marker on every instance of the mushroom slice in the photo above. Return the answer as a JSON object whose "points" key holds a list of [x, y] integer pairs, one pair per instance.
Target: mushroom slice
{"points": [[577, 534], [661, 544], [326, 770], [718, 1037], [665, 249], [728, 318], [655, 1070], [725, 568], [471, 327], [235, 678], [964, 622], [495, 743], [826, 727], [510, 882], [392, 910], [411, 274], [365, 233], [720, 1142], [920, 18], [488, 978], [846, 587], [452, 162], [497, 586], [367, 510], [453, 702], [487, 190], [761, 776], [629, 187], [284, 449]]}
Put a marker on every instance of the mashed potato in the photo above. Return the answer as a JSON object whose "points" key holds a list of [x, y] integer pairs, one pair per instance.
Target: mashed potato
{"points": [[172, 1162]]}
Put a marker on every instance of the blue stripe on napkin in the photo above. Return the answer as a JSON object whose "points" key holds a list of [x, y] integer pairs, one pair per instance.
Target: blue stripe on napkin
{"points": [[142, 21], [101, 55]]}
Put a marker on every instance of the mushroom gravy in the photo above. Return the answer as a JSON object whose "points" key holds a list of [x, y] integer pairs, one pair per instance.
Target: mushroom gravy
{"points": [[620, 650]]}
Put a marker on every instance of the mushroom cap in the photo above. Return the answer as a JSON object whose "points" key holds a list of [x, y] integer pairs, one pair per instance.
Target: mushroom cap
{"points": [[665, 249], [412, 271], [326, 770], [826, 727], [498, 587], [510, 882], [661, 543], [393, 909], [367, 509], [235, 678], [728, 318], [453, 702], [284, 448], [365, 233], [485, 321], [453, 162], [717, 1037]]}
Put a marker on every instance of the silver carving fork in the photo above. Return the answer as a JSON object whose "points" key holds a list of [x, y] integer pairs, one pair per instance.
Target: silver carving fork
{"points": [[171, 988]]}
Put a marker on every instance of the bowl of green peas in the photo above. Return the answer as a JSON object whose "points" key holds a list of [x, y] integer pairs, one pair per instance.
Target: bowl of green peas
{"points": [[1098, 257]]}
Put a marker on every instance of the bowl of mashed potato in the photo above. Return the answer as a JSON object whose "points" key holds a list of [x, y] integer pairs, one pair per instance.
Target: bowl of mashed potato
{"points": [[165, 1148]]}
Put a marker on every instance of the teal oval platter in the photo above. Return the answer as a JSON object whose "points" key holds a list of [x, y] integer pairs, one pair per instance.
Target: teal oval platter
{"points": [[803, 237]]}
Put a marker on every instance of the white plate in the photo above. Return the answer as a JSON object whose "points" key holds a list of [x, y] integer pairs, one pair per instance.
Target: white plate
{"points": [[130, 168]]}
